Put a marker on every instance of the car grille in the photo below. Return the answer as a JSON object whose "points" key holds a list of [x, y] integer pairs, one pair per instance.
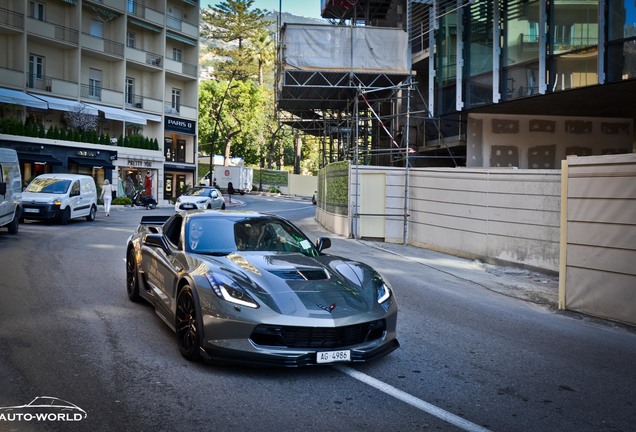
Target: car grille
{"points": [[317, 337]]}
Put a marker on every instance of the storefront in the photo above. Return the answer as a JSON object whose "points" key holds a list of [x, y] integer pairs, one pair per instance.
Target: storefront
{"points": [[36, 159], [138, 172], [179, 152]]}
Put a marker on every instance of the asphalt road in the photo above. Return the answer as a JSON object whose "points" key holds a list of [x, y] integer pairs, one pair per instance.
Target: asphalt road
{"points": [[471, 358]]}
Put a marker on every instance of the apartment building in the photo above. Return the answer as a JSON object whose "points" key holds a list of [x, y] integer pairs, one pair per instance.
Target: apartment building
{"points": [[107, 88]]}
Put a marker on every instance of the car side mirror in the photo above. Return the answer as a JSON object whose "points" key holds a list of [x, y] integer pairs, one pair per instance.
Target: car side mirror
{"points": [[323, 243], [215, 195], [157, 240]]}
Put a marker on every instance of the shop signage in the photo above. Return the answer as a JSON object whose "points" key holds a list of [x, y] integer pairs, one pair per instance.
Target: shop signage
{"points": [[179, 125], [139, 163]]}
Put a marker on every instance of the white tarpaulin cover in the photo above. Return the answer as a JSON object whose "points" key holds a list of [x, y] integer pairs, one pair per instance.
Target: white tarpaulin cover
{"points": [[330, 47]]}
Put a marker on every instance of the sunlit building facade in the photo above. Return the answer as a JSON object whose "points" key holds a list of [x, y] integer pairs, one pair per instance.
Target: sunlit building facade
{"points": [[106, 88]]}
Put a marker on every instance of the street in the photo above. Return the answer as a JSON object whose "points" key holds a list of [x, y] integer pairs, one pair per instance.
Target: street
{"points": [[470, 358]]}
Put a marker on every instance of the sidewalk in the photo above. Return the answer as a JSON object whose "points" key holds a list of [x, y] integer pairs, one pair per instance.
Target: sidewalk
{"points": [[531, 286]]}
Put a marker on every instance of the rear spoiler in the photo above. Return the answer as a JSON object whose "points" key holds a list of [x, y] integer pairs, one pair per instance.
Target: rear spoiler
{"points": [[153, 220]]}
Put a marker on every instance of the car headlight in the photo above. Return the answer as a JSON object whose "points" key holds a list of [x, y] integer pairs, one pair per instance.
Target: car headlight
{"points": [[56, 201], [228, 291], [383, 293], [201, 201]]}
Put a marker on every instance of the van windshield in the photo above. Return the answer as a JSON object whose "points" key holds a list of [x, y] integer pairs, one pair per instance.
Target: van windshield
{"points": [[48, 185]]}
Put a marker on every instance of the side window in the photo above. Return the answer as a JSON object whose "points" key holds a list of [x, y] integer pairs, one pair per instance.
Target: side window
{"points": [[1, 174], [75, 189], [172, 229]]}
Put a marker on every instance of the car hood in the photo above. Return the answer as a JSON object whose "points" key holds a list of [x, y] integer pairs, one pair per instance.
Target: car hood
{"points": [[33, 197], [295, 284]]}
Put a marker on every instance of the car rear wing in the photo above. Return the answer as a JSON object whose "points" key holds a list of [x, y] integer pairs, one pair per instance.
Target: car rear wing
{"points": [[153, 220]]}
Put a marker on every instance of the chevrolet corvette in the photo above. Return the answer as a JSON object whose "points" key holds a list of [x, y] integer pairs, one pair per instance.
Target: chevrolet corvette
{"points": [[250, 288]]}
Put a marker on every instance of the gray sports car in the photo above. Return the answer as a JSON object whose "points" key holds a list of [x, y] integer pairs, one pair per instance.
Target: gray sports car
{"points": [[250, 288]]}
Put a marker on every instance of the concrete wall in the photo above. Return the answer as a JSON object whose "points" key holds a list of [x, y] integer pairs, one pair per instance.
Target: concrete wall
{"points": [[598, 248], [542, 142], [301, 185]]}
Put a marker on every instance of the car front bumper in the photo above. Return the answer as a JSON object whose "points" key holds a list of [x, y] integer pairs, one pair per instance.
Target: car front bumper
{"points": [[40, 211]]}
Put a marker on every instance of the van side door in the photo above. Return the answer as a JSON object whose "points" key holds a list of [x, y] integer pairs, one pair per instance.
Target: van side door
{"points": [[75, 199]]}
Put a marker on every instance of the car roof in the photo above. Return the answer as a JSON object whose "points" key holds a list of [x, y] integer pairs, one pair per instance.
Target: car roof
{"points": [[225, 214], [64, 176]]}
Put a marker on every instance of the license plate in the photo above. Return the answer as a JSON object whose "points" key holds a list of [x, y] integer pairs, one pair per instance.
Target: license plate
{"points": [[333, 356], [31, 210], [188, 206]]}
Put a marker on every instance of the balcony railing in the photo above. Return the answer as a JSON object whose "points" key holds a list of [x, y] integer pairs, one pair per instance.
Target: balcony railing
{"points": [[91, 92], [107, 46], [40, 83], [12, 19]]}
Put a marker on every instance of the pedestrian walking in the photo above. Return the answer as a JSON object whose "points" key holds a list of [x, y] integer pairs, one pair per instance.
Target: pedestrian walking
{"points": [[107, 196], [230, 190]]}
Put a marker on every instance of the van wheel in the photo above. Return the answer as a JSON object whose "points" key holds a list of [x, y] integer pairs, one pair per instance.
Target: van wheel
{"points": [[91, 215], [65, 216], [14, 225]]}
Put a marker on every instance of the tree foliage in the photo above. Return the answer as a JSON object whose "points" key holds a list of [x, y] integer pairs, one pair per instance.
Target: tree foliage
{"points": [[237, 116], [238, 27]]}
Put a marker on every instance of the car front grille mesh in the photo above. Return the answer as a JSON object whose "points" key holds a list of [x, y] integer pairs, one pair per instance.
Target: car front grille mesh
{"points": [[317, 337]]}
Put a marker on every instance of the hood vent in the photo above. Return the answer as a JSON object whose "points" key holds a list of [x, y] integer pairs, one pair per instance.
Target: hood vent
{"points": [[302, 274]]}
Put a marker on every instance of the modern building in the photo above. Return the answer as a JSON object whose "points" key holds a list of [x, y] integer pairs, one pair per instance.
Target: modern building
{"points": [[107, 88], [503, 83]]}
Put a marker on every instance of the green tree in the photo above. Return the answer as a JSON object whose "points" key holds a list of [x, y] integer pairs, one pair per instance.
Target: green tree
{"points": [[236, 25]]}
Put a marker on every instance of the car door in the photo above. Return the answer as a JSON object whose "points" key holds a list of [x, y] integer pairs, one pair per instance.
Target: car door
{"points": [[161, 267]]}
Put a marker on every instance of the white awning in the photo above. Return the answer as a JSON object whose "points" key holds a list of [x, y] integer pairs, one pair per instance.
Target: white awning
{"points": [[151, 117], [21, 98], [120, 114], [66, 105]]}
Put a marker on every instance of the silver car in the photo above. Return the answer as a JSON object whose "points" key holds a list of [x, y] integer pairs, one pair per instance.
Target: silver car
{"points": [[200, 197], [250, 288]]}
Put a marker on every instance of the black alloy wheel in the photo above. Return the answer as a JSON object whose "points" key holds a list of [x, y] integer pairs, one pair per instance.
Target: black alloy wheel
{"points": [[132, 283], [187, 326]]}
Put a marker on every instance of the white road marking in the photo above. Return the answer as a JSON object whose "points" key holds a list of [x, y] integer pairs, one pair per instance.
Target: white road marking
{"points": [[412, 400]]}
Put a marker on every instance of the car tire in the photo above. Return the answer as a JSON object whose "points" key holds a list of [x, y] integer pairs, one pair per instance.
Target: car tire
{"points": [[132, 281], [223, 206], [14, 225], [187, 325], [91, 215], [65, 216], [209, 207]]}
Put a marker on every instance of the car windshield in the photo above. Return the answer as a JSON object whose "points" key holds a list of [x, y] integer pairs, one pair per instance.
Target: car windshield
{"points": [[48, 185], [197, 191], [223, 236]]}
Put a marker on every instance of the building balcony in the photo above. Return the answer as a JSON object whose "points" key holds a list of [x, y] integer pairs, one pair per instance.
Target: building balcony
{"points": [[139, 10], [181, 70], [11, 20], [144, 102], [54, 34], [152, 61], [103, 46]]}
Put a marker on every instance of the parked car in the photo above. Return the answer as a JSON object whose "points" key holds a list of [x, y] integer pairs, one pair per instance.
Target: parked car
{"points": [[60, 197], [251, 288], [200, 197], [10, 190]]}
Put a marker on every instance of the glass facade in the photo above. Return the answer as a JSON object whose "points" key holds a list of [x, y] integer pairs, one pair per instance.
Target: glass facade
{"points": [[499, 50], [520, 49], [478, 79], [621, 40], [446, 63], [573, 43]]}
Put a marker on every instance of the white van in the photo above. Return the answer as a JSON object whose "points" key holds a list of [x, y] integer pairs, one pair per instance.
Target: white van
{"points": [[10, 190], [61, 197]]}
